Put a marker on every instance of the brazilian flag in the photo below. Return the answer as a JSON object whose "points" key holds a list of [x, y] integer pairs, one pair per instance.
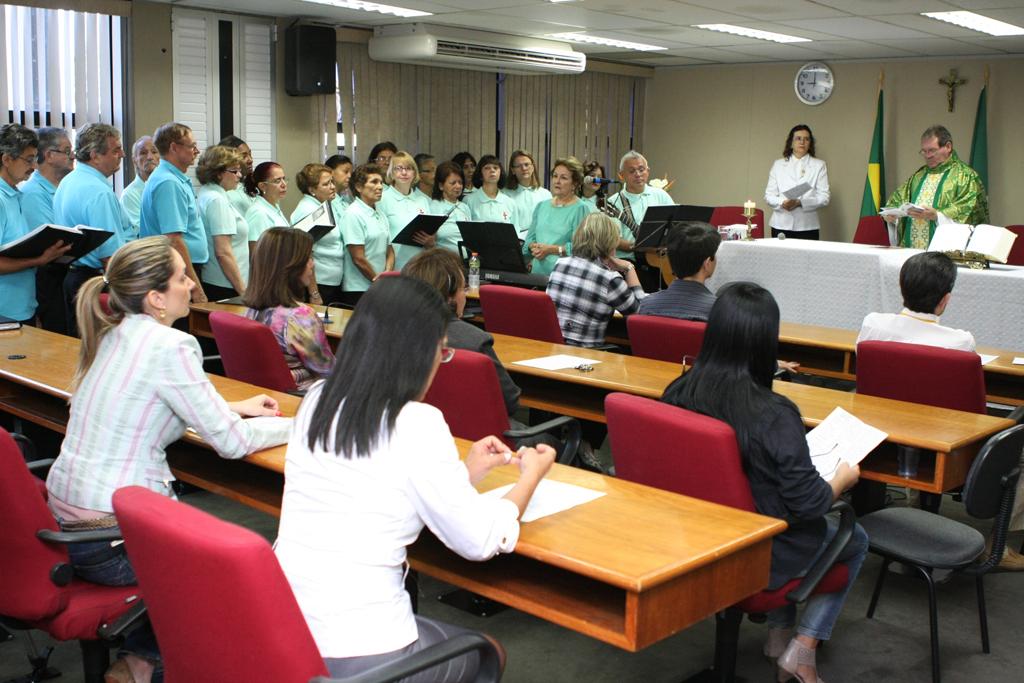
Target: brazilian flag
{"points": [[874, 185], [979, 143]]}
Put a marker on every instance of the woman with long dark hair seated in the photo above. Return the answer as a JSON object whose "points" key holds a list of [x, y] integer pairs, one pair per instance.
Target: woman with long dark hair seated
{"points": [[731, 381], [282, 270], [368, 466]]}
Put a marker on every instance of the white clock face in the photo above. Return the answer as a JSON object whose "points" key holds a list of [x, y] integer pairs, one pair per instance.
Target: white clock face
{"points": [[814, 83]]}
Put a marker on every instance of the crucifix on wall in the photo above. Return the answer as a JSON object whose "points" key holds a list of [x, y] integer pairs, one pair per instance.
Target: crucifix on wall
{"points": [[951, 83]]}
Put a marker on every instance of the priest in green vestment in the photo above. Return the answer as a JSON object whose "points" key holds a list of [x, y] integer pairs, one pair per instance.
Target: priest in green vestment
{"points": [[947, 188]]}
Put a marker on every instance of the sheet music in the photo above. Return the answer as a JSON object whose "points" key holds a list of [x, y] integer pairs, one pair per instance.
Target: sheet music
{"points": [[1018, 360], [841, 437], [550, 498], [899, 211], [797, 191], [560, 361]]}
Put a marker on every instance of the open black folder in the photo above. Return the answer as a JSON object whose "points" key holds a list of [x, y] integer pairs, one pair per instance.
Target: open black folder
{"points": [[318, 223], [82, 239], [425, 222]]}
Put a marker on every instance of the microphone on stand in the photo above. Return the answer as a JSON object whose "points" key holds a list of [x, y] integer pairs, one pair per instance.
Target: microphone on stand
{"points": [[591, 180]]}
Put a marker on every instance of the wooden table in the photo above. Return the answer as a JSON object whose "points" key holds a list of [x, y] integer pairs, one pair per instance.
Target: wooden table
{"points": [[954, 437], [629, 568], [832, 352]]}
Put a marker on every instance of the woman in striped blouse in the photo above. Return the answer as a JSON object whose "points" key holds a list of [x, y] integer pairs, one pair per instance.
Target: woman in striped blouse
{"points": [[139, 385]]}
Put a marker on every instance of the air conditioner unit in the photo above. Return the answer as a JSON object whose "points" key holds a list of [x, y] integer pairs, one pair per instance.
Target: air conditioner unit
{"points": [[455, 48]]}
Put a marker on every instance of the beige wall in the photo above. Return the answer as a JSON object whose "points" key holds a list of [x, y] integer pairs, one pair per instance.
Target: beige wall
{"points": [[151, 68], [717, 129], [152, 101]]}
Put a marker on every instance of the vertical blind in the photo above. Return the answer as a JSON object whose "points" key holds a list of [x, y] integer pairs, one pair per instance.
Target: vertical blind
{"points": [[419, 108], [60, 68], [593, 116]]}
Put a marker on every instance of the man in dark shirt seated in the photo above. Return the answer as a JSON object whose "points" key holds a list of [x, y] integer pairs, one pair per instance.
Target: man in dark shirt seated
{"points": [[692, 246]]}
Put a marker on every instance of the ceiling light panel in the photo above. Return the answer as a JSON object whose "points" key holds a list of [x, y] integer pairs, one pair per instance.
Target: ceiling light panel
{"points": [[753, 33], [610, 42], [977, 22], [372, 7]]}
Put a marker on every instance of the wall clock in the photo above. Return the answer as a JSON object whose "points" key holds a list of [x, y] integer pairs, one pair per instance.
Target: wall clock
{"points": [[814, 83]]}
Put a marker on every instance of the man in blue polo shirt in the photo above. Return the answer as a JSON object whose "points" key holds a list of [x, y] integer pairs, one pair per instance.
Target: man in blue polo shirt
{"points": [[86, 197], [169, 201], [54, 161], [17, 276]]}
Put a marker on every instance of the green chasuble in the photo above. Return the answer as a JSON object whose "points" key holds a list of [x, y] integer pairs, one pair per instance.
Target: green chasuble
{"points": [[952, 188]]}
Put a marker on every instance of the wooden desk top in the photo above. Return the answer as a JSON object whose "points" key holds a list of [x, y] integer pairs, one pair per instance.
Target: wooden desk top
{"points": [[666, 534], [908, 424]]}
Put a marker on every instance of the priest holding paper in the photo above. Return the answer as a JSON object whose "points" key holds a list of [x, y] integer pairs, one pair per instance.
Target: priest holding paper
{"points": [[944, 190], [797, 187]]}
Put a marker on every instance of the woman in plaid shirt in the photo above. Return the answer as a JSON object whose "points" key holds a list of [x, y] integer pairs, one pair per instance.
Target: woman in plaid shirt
{"points": [[590, 285]]}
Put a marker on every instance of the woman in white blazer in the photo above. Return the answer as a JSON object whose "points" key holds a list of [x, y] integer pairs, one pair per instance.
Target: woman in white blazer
{"points": [[797, 216]]}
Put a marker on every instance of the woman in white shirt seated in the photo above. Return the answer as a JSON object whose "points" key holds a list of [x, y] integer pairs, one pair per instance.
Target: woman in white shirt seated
{"points": [[368, 466], [798, 216], [138, 385]]}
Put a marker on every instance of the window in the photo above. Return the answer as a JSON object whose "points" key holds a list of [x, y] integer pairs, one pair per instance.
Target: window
{"points": [[61, 68], [223, 78]]}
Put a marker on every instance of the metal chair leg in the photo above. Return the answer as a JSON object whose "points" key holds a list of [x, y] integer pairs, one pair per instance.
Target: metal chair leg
{"points": [[933, 621], [878, 587], [727, 637], [95, 659], [982, 613]]}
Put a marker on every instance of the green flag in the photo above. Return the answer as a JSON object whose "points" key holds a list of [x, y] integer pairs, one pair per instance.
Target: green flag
{"points": [[979, 143], [874, 184]]}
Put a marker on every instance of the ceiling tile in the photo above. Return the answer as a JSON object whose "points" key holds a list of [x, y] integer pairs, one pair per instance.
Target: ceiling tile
{"points": [[986, 4], [667, 60], [860, 49], [771, 10], [876, 8], [715, 55], [665, 11], [944, 47], [778, 52], [566, 14], [857, 27]]}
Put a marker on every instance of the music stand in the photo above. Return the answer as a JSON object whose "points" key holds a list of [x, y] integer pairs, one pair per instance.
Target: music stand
{"points": [[657, 219], [497, 245]]}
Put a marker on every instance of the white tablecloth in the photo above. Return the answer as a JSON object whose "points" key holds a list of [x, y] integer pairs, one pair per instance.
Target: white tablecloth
{"points": [[836, 284]]}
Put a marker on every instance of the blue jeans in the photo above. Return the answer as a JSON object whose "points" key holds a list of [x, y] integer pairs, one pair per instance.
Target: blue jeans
{"points": [[823, 609], [108, 565]]}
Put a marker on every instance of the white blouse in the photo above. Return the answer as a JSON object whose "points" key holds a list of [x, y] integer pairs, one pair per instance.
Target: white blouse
{"points": [[346, 523], [788, 173]]}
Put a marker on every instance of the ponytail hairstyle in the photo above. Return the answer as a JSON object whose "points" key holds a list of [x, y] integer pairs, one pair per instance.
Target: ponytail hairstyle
{"points": [[133, 271]]}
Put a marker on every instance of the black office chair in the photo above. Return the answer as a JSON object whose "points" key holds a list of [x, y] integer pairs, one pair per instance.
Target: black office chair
{"points": [[927, 541]]}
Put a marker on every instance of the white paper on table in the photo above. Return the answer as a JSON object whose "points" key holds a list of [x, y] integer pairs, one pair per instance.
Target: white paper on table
{"points": [[1019, 360], [841, 437], [550, 497], [560, 361], [797, 191], [987, 358]]}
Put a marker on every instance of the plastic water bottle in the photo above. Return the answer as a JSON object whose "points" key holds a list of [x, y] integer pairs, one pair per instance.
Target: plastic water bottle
{"points": [[474, 271]]}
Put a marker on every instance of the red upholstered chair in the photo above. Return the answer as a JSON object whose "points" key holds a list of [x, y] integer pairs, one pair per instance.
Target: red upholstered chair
{"points": [[668, 339], [733, 215], [467, 392], [1016, 257], [221, 572], [871, 230], [105, 303], [38, 587], [660, 445], [250, 352], [520, 312], [921, 374]]}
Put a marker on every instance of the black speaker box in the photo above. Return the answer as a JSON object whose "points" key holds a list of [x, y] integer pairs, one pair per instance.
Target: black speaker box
{"points": [[310, 53]]}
